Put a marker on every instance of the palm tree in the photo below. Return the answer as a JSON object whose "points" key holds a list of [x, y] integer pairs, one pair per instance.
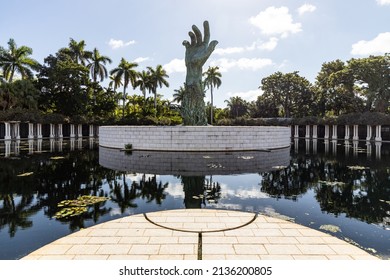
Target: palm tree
{"points": [[77, 51], [144, 82], [125, 72], [213, 79], [17, 60], [238, 107], [179, 94], [96, 66], [157, 78]]}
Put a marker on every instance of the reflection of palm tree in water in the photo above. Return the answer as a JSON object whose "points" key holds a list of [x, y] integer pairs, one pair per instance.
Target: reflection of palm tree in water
{"points": [[147, 188], [198, 190]]}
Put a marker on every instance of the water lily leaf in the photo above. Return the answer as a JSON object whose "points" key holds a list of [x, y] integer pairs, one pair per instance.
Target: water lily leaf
{"points": [[331, 228], [357, 167], [56, 158], [25, 174], [331, 184]]}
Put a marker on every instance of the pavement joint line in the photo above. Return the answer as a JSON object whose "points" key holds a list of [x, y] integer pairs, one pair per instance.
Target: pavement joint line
{"points": [[201, 231]]}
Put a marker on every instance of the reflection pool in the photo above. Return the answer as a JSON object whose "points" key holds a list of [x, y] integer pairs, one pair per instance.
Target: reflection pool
{"points": [[342, 188]]}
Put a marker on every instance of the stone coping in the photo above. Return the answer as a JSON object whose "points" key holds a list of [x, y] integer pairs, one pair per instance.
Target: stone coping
{"points": [[199, 234]]}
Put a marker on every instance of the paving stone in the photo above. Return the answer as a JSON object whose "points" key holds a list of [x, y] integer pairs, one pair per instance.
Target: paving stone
{"points": [[83, 249], [277, 249], [138, 249], [114, 249]]}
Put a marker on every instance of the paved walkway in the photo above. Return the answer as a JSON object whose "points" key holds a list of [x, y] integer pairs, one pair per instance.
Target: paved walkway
{"points": [[199, 234]]}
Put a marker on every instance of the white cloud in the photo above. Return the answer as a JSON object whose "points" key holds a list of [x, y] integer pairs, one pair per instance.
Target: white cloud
{"points": [[269, 45], [141, 59], [276, 21], [250, 95], [383, 2], [253, 64], [306, 8], [175, 65], [232, 50], [379, 45], [116, 44]]}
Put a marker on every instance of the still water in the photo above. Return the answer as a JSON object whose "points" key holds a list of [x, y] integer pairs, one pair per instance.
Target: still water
{"points": [[337, 186]]}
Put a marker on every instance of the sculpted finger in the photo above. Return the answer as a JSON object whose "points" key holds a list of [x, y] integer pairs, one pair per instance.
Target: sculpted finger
{"points": [[186, 43], [198, 34], [206, 28], [193, 38], [212, 45]]}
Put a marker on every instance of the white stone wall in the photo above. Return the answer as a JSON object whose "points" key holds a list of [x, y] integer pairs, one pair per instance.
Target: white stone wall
{"points": [[195, 138]]}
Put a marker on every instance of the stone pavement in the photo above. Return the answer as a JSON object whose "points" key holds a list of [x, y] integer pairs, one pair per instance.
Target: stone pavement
{"points": [[191, 234]]}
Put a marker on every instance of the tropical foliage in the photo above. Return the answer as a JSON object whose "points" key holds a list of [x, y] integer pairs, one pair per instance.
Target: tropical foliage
{"points": [[68, 84]]}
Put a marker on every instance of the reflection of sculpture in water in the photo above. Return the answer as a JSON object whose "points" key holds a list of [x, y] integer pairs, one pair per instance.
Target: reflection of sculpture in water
{"points": [[198, 191], [197, 53]]}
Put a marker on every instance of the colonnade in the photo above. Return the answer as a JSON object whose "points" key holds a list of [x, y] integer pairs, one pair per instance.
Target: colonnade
{"points": [[311, 132], [12, 131]]}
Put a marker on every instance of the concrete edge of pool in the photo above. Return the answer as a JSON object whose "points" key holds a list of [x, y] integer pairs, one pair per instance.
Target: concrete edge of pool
{"points": [[199, 234]]}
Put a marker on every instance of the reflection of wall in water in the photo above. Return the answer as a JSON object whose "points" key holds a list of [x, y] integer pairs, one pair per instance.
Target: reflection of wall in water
{"points": [[193, 163]]}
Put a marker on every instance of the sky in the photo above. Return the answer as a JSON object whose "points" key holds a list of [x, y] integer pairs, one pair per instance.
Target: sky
{"points": [[256, 37]]}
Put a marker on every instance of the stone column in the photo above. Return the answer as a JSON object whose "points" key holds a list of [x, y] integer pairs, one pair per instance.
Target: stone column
{"points": [[7, 135], [17, 147], [79, 143], [30, 131], [347, 147], [347, 132], [315, 131], [355, 132], [52, 131], [296, 131], [91, 141], [307, 136], [369, 132], [39, 130], [72, 135], [326, 132], [334, 132], [80, 131], [91, 130], [378, 133], [60, 133]]}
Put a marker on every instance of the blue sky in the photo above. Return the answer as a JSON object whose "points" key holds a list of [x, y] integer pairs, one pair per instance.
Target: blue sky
{"points": [[256, 37]]}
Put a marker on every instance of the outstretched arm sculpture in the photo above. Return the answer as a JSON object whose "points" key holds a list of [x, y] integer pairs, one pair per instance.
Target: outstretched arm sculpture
{"points": [[197, 53]]}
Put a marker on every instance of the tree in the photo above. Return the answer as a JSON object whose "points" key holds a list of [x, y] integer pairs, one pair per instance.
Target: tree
{"points": [[263, 107], [64, 85], [336, 92], [372, 74], [125, 72], [179, 94], [17, 60], [290, 91], [77, 51], [238, 107], [213, 79], [144, 82], [157, 79], [97, 65]]}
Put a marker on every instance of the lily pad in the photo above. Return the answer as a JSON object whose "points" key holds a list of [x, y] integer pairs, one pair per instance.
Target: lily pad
{"points": [[56, 158], [331, 228], [331, 184], [357, 167], [25, 174], [76, 207]]}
